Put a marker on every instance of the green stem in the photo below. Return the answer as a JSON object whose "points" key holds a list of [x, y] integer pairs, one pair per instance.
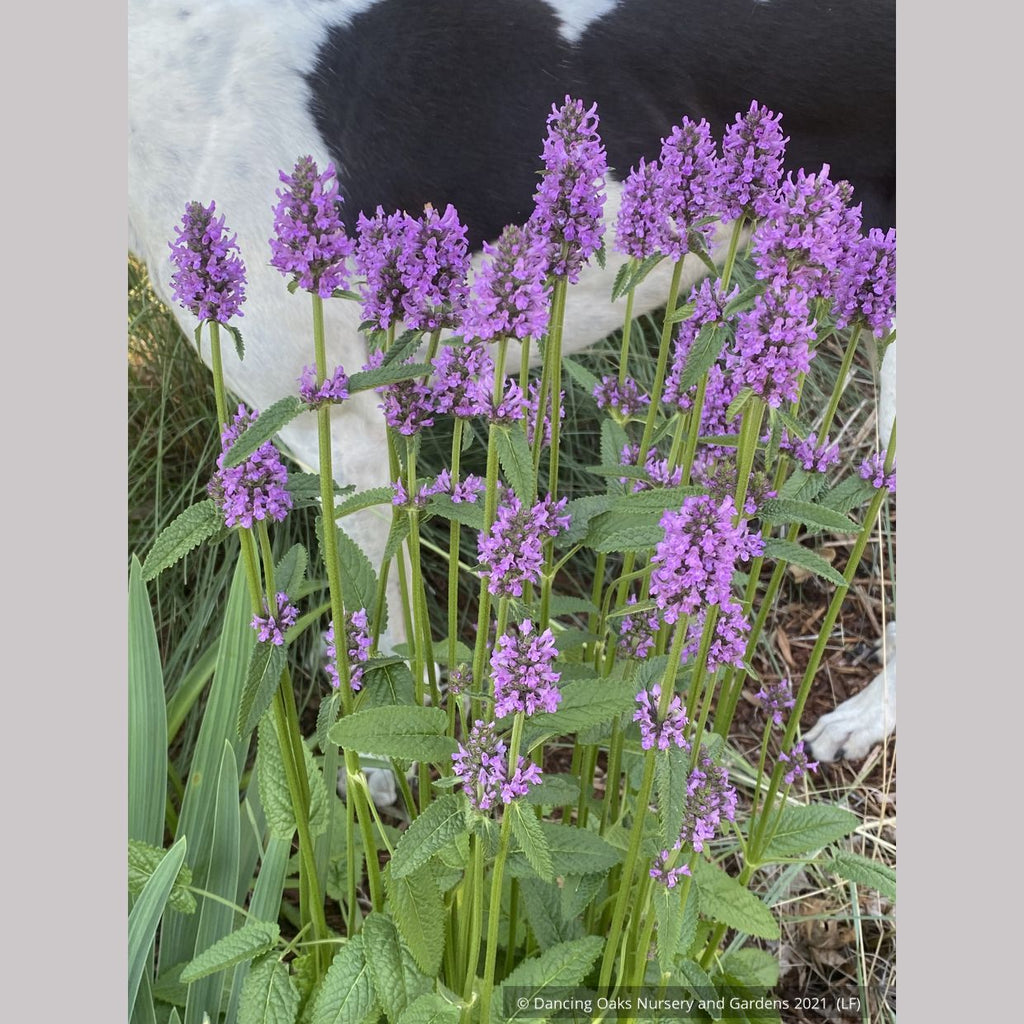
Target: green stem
{"points": [[219, 395]]}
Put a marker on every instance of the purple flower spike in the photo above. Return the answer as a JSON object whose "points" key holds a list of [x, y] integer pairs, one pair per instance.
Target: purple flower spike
{"points": [[358, 644], [640, 228], [481, 766], [570, 200], [333, 389], [750, 169], [873, 469], [688, 190], [799, 766], [408, 407], [661, 872], [209, 279], [461, 381], [672, 731], [509, 297], [271, 625], [866, 289], [695, 562], [254, 490], [626, 399], [638, 631], [383, 242], [709, 798], [523, 677], [775, 698], [310, 243], [811, 455], [433, 265]]}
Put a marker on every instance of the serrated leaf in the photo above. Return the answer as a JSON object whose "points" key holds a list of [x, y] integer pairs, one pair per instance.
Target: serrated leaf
{"points": [[466, 513], [613, 440], [737, 404], [290, 570], [697, 980], [532, 842], [186, 531], [803, 827], [793, 426], [849, 494], [796, 554], [619, 284], [409, 733], [658, 499], [251, 940], [581, 512], [721, 898], [578, 891], [145, 916], [358, 579], [418, 910], [743, 301], [563, 605], [668, 912], [396, 979], [542, 904], [267, 424], [682, 312], [396, 536], [516, 460], [436, 827], [802, 485], [781, 510], [269, 995], [263, 675], [364, 499], [756, 968], [386, 681], [347, 995], [143, 859], [671, 773], [640, 272], [385, 375], [864, 871], [621, 531], [273, 786], [404, 346], [236, 336], [560, 966], [574, 851], [703, 354], [585, 703], [581, 375], [430, 1008], [554, 791]]}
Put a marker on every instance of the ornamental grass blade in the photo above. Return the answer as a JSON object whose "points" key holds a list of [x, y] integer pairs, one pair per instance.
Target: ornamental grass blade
{"points": [[178, 935], [147, 719], [145, 916]]}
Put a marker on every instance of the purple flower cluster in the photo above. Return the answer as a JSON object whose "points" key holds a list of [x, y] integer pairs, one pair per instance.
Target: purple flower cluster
{"points": [[531, 409], [625, 398], [811, 455], [798, 763], [469, 490], [510, 553], [661, 872], [462, 380], [660, 734], [408, 406], [657, 469], [509, 297], [639, 228], [729, 640], [873, 469], [442, 484], [750, 169], [638, 631], [481, 766], [333, 389], [708, 306], [254, 490], [775, 698], [688, 190], [271, 625], [569, 202], [866, 288], [695, 561], [209, 279], [415, 269], [511, 409], [310, 243], [524, 679], [709, 798], [357, 643]]}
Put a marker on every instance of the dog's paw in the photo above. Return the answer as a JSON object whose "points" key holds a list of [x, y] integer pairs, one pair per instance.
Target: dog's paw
{"points": [[862, 721]]}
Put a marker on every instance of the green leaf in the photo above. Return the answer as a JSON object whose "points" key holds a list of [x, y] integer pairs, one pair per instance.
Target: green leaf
{"points": [[721, 898], [358, 579], [578, 891], [542, 902], [367, 379], [793, 426], [803, 486], [638, 273], [555, 790], [656, 500], [683, 312], [809, 827], [347, 995], [530, 836], [864, 871], [574, 851], [364, 499], [269, 995], [273, 786], [671, 772], [619, 284], [585, 703], [145, 916], [781, 510], [560, 966], [668, 912], [848, 494], [736, 406], [703, 354], [147, 719], [440, 824], [409, 733], [290, 570], [581, 375], [613, 440], [418, 910], [696, 978], [796, 554], [622, 531], [267, 424], [266, 663], [516, 460], [581, 511], [430, 1008], [396, 979], [143, 860], [564, 605], [186, 531], [756, 968], [404, 346], [743, 301], [251, 940], [386, 681], [467, 513], [236, 335]]}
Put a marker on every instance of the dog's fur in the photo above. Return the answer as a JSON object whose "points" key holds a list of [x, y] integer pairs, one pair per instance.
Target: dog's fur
{"points": [[446, 102]]}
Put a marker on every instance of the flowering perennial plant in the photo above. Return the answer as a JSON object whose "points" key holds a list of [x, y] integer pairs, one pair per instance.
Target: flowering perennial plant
{"points": [[615, 698]]}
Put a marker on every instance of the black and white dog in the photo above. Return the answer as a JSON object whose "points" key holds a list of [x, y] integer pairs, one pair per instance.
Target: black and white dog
{"points": [[445, 101]]}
